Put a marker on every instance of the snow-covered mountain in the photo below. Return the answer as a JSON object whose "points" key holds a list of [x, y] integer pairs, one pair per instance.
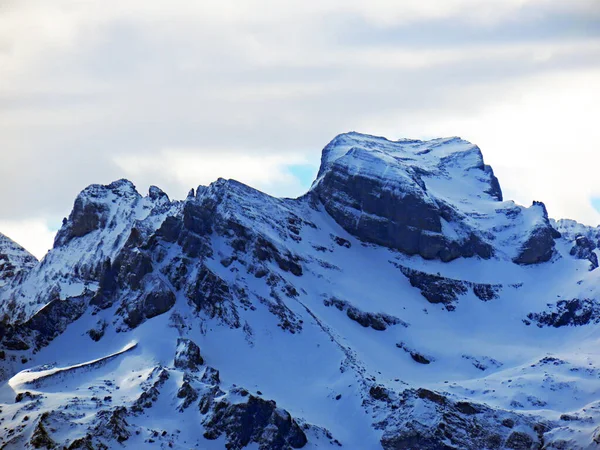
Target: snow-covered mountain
{"points": [[400, 304]]}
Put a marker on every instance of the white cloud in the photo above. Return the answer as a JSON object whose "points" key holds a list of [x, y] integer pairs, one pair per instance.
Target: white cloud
{"points": [[185, 168], [33, 234], [541, 138]]}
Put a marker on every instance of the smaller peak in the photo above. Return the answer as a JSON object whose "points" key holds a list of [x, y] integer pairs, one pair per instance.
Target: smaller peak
{"points": [[229, 186], [122, 188], [123, 185], [542, 206], [156, 193]]}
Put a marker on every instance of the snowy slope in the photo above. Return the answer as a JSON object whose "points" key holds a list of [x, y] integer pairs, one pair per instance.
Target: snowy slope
{"points": [[236, 319]]}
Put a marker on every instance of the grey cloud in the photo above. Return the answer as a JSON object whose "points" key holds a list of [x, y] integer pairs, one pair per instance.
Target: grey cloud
{"points": [[137, 87], [527, 26]]}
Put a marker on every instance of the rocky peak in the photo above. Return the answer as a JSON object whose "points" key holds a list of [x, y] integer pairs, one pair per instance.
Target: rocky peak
{"points": [[408, 194], [15, 261], [93, 208], [157, 194], [378, 157]]}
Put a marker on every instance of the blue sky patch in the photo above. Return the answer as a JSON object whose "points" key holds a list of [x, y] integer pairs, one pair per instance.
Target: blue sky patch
{"points": [[305, 173]]}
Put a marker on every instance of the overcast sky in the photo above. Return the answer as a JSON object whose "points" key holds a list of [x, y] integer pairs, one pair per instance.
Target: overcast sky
{"points": [[180, 93]]}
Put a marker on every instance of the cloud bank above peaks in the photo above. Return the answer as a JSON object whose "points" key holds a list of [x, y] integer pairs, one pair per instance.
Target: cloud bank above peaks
{"points": [[182, 93]]}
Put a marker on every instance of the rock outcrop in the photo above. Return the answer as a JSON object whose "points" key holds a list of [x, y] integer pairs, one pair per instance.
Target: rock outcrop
{"points": [[539, 246], [584, 249], [572, 312]]}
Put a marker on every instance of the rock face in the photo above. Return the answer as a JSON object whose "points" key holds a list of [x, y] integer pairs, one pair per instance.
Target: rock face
{"points": [[258, 421], [386, 308], [91, 210], [187, 356], [539, 246], [438, 289], [377, 321], [379, 193]]}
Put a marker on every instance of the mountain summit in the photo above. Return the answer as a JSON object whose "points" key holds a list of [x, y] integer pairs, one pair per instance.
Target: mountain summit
{"points": [[401, 303]]}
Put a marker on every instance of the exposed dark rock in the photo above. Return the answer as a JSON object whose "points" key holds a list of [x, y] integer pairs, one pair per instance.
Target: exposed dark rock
{"points": [[107, 286], [151, 389], [573, 312], [90, 210], [199, 217], [157, 299], [187, 355], [190, 231], [584, 249], [486, 292], [494, 190], [519, 441], [419, 358], [211, 376], [53, 319], [508, 423], [466, 408], [379, 393], [86, 443], [155, 193], [438, 289], [265, 250], [85, 218], [132, 266], [12, 343], [377, 321], [40, 437], [539, 247], [170, 229], [26, 396], [113, 425], [212, 295], [434, 288], [98, 332], [431, 396], [483, 362], [187, 393], [258, 421], [415, 355], [341, 241], [15, 261], [208, 399]]}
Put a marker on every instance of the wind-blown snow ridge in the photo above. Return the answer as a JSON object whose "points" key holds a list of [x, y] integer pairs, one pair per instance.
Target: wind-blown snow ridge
{"points": [[32, 376], [400, 303]]}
